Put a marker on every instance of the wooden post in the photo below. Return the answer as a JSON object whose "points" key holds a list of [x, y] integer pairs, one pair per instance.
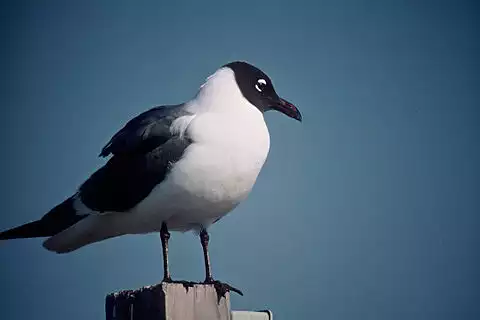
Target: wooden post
{"points": [[172, 301]]}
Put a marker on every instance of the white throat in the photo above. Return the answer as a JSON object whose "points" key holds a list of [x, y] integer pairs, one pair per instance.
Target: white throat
{"points": [[220, 93]]}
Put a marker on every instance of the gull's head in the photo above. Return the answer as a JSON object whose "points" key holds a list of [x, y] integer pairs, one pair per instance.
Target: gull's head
{"points": [[242, 78], [258, 89]]}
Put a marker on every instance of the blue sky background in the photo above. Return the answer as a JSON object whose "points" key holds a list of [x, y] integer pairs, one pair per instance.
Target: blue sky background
{"points": [[369, 209]]}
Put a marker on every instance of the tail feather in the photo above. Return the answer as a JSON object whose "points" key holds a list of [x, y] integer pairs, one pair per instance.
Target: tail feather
{"points": [[56, 220]]}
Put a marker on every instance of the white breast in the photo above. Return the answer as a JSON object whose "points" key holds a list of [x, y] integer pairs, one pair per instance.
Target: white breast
{"points": [[227, 155]]}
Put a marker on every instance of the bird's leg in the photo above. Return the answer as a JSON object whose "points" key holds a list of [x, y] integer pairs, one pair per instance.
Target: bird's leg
{"points": [[164, 236], [204, 238], [220, 287]]}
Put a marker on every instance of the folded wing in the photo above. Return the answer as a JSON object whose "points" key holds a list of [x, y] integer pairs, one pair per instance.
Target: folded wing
{"points": [[143, 152]]}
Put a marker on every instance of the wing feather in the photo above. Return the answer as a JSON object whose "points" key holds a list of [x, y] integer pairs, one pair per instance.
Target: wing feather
{"points": [[143, 151], [144, 132]]}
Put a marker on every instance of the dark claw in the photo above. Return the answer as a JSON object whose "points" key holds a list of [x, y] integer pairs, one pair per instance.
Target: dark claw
{"points": [[222, 288], [186, 284]]}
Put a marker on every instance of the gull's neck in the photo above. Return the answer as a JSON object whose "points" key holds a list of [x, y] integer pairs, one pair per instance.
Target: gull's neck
{"points": [[220, 93]]}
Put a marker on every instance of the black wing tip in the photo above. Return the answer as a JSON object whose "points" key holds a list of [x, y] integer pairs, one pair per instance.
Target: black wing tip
{"points": [[34, 229], [56, 220]]}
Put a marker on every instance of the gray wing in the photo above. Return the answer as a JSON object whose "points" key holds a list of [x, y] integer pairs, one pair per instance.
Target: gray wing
{"points": [[143, 152], [144, 132]]}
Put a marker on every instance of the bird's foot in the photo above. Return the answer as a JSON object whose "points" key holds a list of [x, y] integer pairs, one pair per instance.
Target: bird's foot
{"points": [[186, 284], [221, 288]]}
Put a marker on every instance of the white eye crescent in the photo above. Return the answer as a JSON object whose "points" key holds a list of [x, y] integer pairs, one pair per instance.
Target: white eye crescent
{"points": [[260, 84]]}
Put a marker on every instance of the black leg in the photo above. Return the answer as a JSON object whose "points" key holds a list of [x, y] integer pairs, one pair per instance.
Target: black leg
{"points": [[220, 287], [204, 238], [164, 236]]}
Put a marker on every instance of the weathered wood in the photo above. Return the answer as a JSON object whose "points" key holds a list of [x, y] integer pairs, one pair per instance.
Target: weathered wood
{"points": [[172, 301]]}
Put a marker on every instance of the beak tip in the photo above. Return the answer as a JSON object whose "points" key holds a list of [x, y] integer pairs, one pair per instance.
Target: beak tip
{"points": [[288, 109], [299, 117]]}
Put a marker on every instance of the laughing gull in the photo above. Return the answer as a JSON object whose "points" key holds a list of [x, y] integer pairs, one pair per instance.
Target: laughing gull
{"points": [[177, 167]]}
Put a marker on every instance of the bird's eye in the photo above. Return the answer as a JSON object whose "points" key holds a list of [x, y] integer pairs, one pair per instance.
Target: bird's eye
{"points": [[260, 85]]}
